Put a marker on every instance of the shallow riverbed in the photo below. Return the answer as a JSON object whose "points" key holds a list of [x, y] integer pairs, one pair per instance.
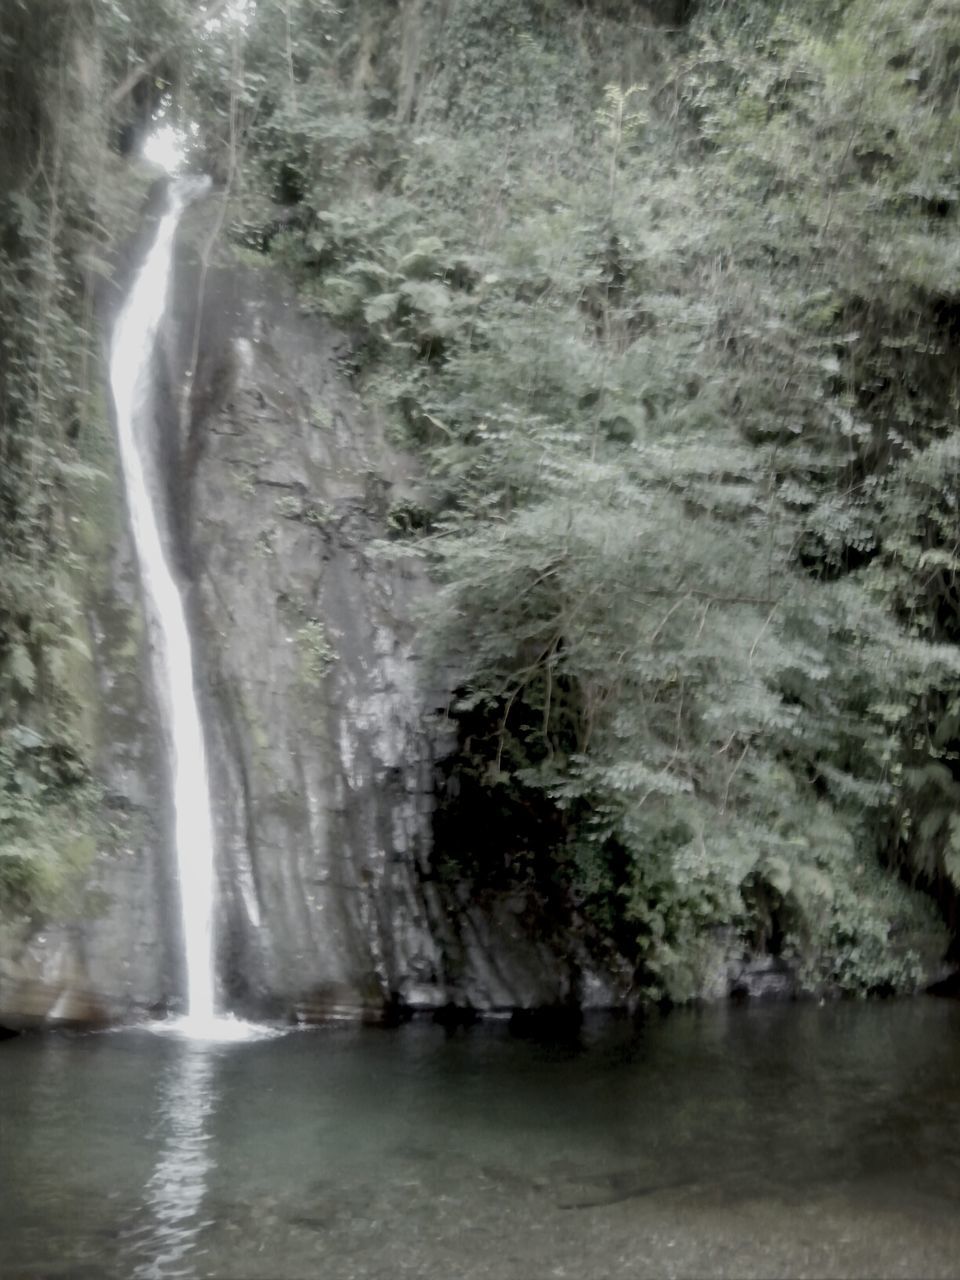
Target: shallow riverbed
{"points": [[779, 1141]]}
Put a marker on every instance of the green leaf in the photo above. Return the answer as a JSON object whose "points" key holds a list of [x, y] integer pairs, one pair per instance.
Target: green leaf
{"points": [[776, 871], [381, 308]]}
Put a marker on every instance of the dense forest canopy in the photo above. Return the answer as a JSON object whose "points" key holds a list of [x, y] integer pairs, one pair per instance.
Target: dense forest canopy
{"points": [[666, 298]]}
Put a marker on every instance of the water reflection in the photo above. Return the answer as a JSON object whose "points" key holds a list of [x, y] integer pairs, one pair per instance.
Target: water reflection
{"points": [[766, 1142], [173, 1197]]}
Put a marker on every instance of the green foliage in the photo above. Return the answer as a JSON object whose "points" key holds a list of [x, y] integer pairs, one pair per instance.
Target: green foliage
{"points": [[673, 322], [60, 210], [46, 806]]}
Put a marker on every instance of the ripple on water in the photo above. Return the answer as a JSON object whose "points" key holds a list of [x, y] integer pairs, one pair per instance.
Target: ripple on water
{"points": [[221, 1030]]}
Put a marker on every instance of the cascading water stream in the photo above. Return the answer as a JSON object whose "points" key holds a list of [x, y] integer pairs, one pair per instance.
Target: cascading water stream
{"points": [[131, 364]]}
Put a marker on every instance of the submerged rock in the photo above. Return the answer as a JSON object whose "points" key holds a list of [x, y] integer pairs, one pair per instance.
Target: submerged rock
{"points": [[764, 978]]}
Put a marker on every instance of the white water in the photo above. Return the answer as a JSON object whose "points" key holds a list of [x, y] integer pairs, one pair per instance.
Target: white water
{"points": [[131, 364]]}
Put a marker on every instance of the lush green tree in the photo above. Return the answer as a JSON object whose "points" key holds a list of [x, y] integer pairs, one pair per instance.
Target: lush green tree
{"points": [[668, 316]]}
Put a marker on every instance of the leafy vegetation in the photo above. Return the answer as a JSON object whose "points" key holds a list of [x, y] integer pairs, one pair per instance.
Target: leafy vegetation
{"points": [[672, 316], [60, 210]]}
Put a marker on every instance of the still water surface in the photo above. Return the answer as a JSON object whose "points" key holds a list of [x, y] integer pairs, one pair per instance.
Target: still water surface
{"points": [[787, 1141]]}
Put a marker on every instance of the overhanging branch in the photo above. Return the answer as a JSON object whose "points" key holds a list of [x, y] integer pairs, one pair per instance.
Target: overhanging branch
{"points": [[133, 78]]}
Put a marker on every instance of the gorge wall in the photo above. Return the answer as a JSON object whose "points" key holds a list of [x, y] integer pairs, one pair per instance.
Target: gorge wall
{"points": [[324, 724], [689, 503]]}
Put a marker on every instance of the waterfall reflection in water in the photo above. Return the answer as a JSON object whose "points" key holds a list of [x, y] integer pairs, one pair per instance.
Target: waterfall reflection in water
{"points": [[792, 1141], [173, 1198]]}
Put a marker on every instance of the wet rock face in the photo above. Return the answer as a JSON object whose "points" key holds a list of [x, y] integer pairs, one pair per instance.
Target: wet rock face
{"points": [[112, 952], [314, 701], [321, 717], [321, 720], [324, 725]]}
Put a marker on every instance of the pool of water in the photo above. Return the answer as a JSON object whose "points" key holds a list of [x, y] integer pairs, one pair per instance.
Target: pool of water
{"points": [[779, 1141]]}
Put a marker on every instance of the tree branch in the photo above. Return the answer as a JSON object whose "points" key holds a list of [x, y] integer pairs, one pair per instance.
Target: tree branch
{"points": [[133, 78]]}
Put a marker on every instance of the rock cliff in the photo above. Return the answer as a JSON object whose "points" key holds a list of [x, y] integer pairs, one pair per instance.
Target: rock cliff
{"points": [[324, 725]]}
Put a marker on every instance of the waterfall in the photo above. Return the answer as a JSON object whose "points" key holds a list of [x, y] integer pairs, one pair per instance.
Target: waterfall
{"points": [[131, 367]]}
